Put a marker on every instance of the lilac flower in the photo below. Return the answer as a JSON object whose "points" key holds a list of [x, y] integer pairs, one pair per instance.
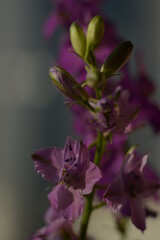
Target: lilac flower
{"points": [[57, 228], [111, 161], [115, 114], [74, 173], [63, 14], [130, 187]]}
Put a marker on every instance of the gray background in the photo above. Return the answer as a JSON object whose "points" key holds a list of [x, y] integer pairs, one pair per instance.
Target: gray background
{"points": [[32, 113]]}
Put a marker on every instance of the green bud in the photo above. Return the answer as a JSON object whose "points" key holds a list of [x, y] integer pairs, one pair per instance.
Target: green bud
{"points": [[117, 59], [95, 33], [78, 39], [64, 81]]}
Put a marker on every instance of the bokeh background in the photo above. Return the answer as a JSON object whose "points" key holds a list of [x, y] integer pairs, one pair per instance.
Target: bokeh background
{"points": [[32, 112]]}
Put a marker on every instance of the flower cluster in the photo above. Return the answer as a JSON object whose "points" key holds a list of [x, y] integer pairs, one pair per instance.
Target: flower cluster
{"points": [[73, 172], [107, 105], [140, 86]]}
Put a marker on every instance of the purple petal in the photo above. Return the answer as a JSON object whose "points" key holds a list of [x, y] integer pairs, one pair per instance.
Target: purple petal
{"points": [[93, 175], [151, 182], [75, 151], [51, 215], [53, 230], [41, 234], [49, 163], [114, 195], [67, 202], [135, 162], [71, 150], [138, 213], [76, 164]]}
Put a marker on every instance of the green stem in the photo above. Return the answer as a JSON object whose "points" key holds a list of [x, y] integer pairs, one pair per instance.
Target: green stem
{"points": [[98, 93], [89, 198], [86, 216], [99, 149]]}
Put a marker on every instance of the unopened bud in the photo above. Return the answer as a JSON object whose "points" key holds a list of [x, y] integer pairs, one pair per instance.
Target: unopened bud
{"points": [[78, 39], [64, 81], [117, 59], [95, 33]]}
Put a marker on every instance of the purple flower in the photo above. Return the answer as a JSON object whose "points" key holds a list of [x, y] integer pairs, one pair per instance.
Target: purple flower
{"points": [[130, 187], [115, 113], [73, 172], [57, 228], [111, 161]]}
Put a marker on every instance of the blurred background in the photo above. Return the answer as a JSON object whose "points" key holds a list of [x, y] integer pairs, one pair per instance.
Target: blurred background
{"points": [[32, 112]]}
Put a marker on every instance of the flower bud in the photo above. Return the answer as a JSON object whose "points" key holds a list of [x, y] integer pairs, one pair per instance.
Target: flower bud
{"points": [[117, 59], [95, 33], [78, 39], [67, 84]]}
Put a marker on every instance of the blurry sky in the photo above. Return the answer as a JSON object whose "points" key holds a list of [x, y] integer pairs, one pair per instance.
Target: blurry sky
{"points": [[32, 113]]}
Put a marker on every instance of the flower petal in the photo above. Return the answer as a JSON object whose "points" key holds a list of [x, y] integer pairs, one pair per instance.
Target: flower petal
{"points": [[138, 213], [93, 175], [135, 162], [76, 164], [49, 163], [114, 195], [67, 202]]}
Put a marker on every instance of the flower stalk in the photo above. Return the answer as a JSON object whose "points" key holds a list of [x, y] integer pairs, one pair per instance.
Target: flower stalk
{"points": [[105, 115]]}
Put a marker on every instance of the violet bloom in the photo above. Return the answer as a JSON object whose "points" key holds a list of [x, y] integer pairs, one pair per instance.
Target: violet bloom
{"points": [[73, 172], [115, 113], [130, 187], [57, 228]]}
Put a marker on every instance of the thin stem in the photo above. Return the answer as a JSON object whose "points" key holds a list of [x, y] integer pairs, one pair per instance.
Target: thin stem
{"points": [[93, 144], [99, 149], [86, 216], [98, 93]]}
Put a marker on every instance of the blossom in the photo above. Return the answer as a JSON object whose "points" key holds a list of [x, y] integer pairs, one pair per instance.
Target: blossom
{"points": [[115, 113], [63, 15], [73, 172], [57, 228], [130, 187]]}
